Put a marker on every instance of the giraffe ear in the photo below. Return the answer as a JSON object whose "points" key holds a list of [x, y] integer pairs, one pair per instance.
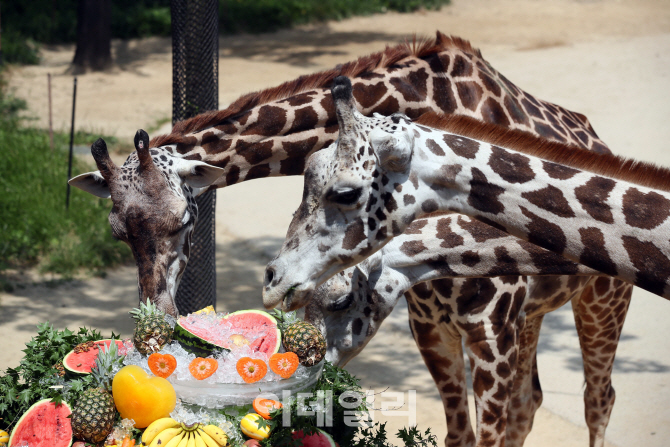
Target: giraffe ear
{"points": [[394, 150], [198, 174], [93, 183]]}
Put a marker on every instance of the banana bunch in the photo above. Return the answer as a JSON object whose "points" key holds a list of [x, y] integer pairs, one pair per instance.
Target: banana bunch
{"points": [[167, 432]]}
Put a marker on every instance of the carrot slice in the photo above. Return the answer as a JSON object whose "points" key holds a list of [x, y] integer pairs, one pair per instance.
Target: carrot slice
{"points": [[265, 406], [284, 364], [202, 368], [251, 370], [126, 442], [162, 365]]}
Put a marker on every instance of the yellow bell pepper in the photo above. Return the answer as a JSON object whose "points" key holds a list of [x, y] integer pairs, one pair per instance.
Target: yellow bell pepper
{"points": [[4, 438], [250, 427]]}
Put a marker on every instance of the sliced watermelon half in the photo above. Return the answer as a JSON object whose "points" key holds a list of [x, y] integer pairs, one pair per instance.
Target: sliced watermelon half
{"points": [[255, 328], [83, 362], [45, 424], [318, 439]]}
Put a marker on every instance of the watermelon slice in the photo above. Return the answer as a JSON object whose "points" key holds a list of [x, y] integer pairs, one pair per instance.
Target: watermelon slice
{"points": [[83, 362], [319, 439], [202, 335], [44, 425]]}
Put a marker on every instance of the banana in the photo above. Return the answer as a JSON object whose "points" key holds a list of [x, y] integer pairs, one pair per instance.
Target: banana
{"points": [[209, 441], [184, 440], [165, 436], [199, 442], [174, 442], [216, 434], [156, 427], [191, 440]]}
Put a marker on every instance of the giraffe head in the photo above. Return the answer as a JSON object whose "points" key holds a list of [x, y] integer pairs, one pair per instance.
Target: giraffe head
{"points": [[153, 210], [348, 310], [347, 211]]}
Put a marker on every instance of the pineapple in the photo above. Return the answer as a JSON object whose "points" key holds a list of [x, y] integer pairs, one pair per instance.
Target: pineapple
{"points": [[152, 331], [301, 338], [94, 413]]}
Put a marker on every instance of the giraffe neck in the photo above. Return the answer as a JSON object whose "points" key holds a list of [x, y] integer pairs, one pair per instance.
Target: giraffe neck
{"points": [[272, 132], [457, 246], [432, 248], [610, 224]]}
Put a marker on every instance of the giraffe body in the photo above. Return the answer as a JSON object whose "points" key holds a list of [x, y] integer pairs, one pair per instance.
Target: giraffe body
{"points": [[384, 172], [500, 327]]}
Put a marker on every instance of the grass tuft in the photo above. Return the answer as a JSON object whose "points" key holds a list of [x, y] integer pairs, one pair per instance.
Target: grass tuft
{"points": [[35, 227]]}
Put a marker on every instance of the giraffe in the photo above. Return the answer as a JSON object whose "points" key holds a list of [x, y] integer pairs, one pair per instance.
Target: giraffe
{"points": [[385, 171], [350, 307], [609, 213], [272, 132]]}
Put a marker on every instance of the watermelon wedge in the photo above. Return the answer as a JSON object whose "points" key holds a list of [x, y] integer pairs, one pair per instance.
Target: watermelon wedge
{"points": [[203, 335], [45, 424], [83, 362], [319, 439]]}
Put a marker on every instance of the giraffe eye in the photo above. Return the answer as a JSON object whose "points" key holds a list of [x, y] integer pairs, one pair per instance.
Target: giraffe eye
{"points": [[345, 196], [341, 303]]}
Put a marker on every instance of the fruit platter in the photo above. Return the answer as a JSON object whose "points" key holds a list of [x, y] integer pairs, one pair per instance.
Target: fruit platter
{"points": [[205, 379], [170, 379], [218, 360]]}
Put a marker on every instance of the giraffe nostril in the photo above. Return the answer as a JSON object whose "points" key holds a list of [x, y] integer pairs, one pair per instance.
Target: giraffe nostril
{"points": [[269, 276]]}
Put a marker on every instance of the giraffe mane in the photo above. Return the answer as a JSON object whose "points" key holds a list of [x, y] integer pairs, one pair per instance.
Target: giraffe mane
{"points": [[639, 172], [419, 47]]}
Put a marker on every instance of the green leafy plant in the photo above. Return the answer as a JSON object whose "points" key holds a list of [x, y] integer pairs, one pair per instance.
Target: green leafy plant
{"points": [[37, 376], [338, 381], [261, 16], [35, 227], [47, 21]]}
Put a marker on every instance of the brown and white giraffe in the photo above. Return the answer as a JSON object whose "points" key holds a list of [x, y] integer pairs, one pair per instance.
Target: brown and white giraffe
{"points": [[608, 213], [500, 328], [272, 132]]}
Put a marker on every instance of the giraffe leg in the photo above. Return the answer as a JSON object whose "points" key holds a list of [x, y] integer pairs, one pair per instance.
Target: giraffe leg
{"points": [[492, 343], [599, 313], [491, 391], [440, 345], [526, 395]]}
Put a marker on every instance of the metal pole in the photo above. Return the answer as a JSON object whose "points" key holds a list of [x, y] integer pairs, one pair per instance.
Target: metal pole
{"points": [[51, 128], [195, 58], [69, 165]]}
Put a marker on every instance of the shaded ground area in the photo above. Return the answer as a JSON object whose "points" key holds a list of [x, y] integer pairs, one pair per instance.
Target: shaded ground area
{"points": [[608, 60]]}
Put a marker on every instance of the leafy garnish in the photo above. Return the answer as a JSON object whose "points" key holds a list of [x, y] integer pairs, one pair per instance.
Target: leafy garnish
{"points": [[338, 381], [36, 377]]}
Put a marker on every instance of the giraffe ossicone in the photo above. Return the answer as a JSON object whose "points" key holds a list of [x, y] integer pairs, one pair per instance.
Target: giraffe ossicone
{"points": [[355, 201]]}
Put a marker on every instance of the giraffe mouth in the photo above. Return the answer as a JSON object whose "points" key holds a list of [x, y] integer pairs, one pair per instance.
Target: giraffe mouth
{"points": [[288, 297]]}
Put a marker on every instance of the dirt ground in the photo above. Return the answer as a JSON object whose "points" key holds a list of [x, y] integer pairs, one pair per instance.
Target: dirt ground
{"points": [[607, 59]]}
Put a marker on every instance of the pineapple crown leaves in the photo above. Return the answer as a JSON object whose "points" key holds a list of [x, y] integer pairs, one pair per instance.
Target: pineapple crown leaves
{"points": [[284, 319], [107, 363], [146, 310]]}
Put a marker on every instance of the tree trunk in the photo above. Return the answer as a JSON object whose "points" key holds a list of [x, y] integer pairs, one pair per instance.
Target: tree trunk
{"points": [[94, 36]]}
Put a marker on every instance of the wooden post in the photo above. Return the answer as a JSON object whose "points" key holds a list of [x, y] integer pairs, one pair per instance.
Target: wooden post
{"points": [[69, 166], [51, 129]]}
